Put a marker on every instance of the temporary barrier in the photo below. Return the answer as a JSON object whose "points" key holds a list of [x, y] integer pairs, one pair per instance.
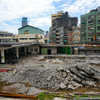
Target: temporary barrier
{"points": [[44, 51], [68, 50]]}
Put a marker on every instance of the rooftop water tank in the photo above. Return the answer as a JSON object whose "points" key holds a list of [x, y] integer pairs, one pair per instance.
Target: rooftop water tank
{"points": [[24, 21]]}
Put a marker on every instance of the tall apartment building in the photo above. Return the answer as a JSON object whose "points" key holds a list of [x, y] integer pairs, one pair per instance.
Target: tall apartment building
{"points": [[61, 21], [90, 27], [50, 34], [76, 35]]}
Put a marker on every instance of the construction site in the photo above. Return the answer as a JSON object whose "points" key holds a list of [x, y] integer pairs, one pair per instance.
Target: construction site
{"points": [[60, 74], [63, 69]]}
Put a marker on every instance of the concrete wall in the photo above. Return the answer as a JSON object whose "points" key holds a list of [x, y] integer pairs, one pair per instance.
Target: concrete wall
{"points": [[34, 49], [89, 52], [53, 50], [28, 38]]}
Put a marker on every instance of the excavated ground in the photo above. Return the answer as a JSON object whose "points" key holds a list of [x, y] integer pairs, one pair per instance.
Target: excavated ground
{"points": [[64, 73]]}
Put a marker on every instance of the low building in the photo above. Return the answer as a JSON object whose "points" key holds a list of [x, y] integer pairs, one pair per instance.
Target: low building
{"points": [[76, 35], [29, 33], [8, 37]]}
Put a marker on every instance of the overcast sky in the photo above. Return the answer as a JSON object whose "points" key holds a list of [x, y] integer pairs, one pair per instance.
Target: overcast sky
{"points": [[39, 12]]}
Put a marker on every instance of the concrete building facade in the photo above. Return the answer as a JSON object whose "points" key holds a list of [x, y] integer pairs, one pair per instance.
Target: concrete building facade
{"points": [[8, 37], [90, 27], [61, 20], [76, 35], [50, 34], [31, 34], [69, 38]]}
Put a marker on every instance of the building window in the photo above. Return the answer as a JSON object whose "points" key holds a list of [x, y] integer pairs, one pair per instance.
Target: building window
{"points": [[83, 39], [90, 28], [35, 49], [54, 36], [83, 29], [91, 16], [74, 41], [23, 38], [90, 34], [98, 34], [98, 27], [53, 16], [98, 15], [74, 36], [77, 31], [90, 39], [26, 31], [77, 41], [91, 22], [77, 36], [74, 31], [83, 19], [32, 38], [58, 15], [98, 21]]}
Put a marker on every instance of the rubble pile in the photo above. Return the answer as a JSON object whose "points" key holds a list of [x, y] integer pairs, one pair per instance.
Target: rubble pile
{"points": [[46, 76]]}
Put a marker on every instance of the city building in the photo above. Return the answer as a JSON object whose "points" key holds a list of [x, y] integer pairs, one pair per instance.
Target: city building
{"points": [[69, 38], [46, 37], [8, 37], [90, 27], [50, 35], [61, 23], [76, 35], [29, 33]]}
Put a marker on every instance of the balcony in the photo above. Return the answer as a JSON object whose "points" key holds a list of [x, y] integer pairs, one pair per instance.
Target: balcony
{"points": [[90, 28], [90, 22], [83, 29], [83, 24], [91, 17], [98, 28], [58, 33], [83, 19], [98, 21], [83, 34], [98, 33], [90, 34], [98, 15], [57, 40], [57, 37]]}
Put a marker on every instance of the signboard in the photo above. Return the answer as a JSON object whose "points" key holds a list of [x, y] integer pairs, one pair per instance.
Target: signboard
{"points": [[26, 32]]}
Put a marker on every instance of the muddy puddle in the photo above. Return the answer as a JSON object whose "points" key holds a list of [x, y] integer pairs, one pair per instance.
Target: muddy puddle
{"points": [[79, 90]]}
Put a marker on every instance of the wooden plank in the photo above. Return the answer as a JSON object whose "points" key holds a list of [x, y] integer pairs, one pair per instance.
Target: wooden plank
{"points": [[14, 95]]}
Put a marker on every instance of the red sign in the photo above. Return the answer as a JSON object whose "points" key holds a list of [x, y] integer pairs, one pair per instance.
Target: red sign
{"points": [[3, 70]]}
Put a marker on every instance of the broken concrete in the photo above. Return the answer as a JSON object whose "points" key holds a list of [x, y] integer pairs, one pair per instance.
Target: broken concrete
{"points": [[67, 74]]}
